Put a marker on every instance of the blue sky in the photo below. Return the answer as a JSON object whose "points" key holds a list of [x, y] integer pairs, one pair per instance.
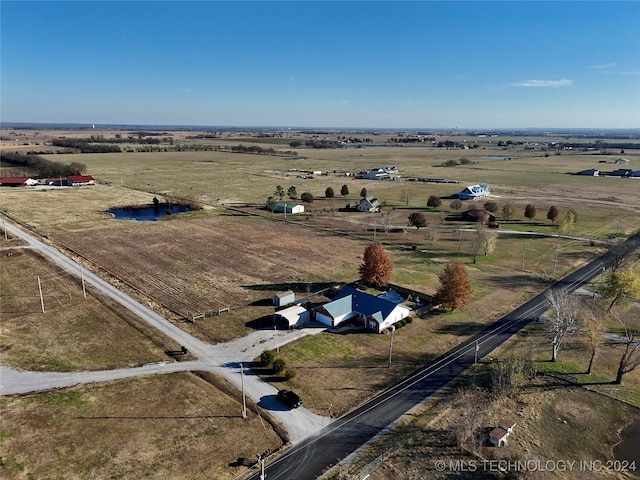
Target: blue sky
{"points": [[323, 64]]}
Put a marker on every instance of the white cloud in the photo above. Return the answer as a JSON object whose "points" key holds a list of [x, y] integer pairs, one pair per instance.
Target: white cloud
{"points": [[544, 83], [603, 66]]}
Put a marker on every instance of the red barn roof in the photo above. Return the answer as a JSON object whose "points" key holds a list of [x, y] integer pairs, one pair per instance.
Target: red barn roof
{"points": [[81, 178], [13, 180]]}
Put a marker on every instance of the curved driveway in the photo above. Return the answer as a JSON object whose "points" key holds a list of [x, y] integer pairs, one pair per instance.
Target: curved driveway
{"points": [[223, 359]]}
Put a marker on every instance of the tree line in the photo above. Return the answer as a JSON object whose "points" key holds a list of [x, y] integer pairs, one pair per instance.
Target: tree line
{"points": [[41, 167]]}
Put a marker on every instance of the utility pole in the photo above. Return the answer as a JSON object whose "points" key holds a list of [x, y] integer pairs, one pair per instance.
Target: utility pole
{"points": [[41, 298], [555, 260], [84, 290], [4, 227], [475, 362], [393, 329], [460, 233], [261, 462], [244, 400], [275, 329]]}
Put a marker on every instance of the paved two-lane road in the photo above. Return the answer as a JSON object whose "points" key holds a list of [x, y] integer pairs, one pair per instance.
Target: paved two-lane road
{"points": [[343, 437]]}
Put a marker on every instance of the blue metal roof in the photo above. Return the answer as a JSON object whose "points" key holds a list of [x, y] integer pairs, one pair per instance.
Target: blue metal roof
{"points": [[362, 302], [392, 296]]}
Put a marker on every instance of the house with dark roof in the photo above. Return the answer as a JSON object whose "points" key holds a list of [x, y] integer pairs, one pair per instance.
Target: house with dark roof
{"points": [[374, 313], [478, 215], [368, 204], [473, 192]]}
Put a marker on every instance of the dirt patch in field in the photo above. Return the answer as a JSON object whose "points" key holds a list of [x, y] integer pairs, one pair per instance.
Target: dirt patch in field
{"points": [[203, 264]]}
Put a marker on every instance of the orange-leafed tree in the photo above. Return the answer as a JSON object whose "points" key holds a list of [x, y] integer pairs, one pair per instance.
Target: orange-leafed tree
{"points": [[376, 269], [455, 288]]}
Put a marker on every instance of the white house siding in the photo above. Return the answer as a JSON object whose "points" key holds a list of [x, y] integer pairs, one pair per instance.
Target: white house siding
{"points": [[396, 315], [324, 319]]}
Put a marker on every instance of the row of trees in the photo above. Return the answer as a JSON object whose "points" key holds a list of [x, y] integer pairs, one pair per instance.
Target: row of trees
{"points": [[41, 167], [455, 289], [566, 312]]}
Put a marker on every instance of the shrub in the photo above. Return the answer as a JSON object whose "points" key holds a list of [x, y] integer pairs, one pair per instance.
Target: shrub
{"points": [[279, 365], [290, 374], [267, 357], [409, 320]]}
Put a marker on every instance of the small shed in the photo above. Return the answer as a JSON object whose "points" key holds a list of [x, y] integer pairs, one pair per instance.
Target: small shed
{"points": [[283, 207], [498, 436], [295, 316], [281, 299]]}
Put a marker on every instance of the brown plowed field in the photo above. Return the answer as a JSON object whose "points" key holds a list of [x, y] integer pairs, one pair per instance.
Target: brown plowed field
{"points": [[202, 264]]}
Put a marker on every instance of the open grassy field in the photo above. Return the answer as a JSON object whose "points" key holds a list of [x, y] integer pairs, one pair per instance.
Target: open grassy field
{"points": [[167, 426], [74, 332], [239, 257]]}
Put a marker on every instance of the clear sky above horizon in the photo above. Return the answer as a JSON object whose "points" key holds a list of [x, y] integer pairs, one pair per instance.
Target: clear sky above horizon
{"points": [[419, 64]]}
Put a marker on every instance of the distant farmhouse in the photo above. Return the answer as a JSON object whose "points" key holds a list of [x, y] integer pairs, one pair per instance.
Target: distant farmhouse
{"points": [[368, 204], [17, 182], [382, 173], [375, 314], [591, 172], [71, 181], [473, 192], [284, 207], [478, 215]]}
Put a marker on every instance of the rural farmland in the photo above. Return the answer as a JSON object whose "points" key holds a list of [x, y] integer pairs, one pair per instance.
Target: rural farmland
{"points": [[234, 253]]}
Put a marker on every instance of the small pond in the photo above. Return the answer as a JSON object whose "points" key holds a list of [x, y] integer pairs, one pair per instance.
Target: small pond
{"points": [[629, 447], [148, 213]]}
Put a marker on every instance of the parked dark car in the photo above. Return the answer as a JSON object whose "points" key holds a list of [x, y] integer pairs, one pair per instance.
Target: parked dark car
{"points": [[289, 398]]}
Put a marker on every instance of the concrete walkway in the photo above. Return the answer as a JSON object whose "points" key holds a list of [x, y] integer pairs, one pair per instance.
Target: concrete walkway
{"points": [[222, 359]]}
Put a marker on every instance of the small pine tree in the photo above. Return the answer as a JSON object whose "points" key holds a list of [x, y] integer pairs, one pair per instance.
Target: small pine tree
{"points": [[363, 192], [329, 193], [376, 269], [455, 288], [344, 191], [306, 197], [553, 213]]}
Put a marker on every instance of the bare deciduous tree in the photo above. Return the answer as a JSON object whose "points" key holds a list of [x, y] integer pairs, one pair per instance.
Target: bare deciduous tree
{"points": [[562, 319], [630, 358], [476, 404], [432, 233], [594, 321]]}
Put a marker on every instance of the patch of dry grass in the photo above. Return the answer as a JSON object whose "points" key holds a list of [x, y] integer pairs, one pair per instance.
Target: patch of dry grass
{"points": [[74, 333], [166, 426]]}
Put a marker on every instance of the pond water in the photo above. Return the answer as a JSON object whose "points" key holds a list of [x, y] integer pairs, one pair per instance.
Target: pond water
{"points": [[150, 213], [629, 447]]}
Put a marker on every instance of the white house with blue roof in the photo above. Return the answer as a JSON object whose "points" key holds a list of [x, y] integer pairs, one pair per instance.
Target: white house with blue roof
{"points": [[376, 313]]}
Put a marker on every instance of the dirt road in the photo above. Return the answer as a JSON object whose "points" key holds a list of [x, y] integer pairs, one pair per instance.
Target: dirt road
{"points": [[222, 359]]}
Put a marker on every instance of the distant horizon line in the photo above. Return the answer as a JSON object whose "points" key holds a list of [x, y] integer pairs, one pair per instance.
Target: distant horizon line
{"points": [[178, 127]]}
